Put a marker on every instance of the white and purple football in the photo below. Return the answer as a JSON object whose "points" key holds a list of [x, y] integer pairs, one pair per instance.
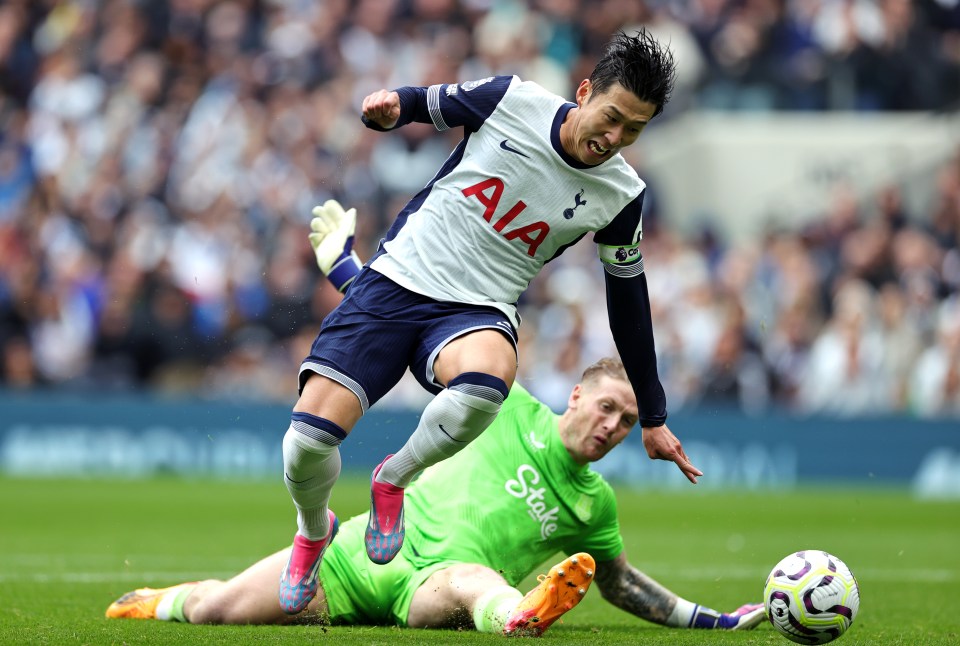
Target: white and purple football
{"points": [[811, 597]]}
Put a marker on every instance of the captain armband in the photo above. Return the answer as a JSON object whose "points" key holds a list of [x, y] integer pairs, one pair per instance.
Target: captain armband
{"points": [[624, 261]]}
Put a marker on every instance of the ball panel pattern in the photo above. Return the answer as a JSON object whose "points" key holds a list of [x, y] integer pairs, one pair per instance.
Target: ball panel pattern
{"points": [[811, 597]]}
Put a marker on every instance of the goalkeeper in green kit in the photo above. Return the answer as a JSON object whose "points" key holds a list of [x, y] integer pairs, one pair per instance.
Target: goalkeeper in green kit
{"points": [[478, 524]]}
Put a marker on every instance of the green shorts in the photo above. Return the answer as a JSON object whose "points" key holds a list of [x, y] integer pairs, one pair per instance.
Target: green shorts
{"points": [[359, 591]]}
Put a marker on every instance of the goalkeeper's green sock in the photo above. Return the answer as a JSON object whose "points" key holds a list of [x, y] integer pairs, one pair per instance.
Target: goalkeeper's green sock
{"points": [[170, 607], [493, 608]]}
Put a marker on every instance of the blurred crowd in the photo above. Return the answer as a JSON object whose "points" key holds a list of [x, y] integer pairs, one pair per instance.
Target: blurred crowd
{"points": [[857, 313], [159, 160]]}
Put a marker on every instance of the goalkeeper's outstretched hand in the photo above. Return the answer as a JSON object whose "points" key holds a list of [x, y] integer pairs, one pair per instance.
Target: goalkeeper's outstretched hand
{"points": [[331, 237], [746, 617]]}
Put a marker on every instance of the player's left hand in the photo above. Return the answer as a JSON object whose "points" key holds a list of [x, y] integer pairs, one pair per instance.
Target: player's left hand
{"points": [[662, 444], [331, 236]]}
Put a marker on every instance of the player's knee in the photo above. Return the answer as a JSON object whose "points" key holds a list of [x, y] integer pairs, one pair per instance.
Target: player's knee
{"points": [[476, 399], [469, 576], [479, 390], [486, 351], [329, 399], [312, 434], [467, 582]]}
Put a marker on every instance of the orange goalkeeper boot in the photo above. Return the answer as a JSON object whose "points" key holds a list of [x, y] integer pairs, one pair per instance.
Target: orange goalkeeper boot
{"points": [[557, 593], [141, 603]]}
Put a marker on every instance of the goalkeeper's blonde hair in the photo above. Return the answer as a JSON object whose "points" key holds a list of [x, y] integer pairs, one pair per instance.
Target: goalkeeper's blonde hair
{"points": [[605, 367]]}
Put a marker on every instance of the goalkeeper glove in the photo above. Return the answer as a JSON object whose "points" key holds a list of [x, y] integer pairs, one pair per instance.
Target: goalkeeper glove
{"points": [[332, 241]]}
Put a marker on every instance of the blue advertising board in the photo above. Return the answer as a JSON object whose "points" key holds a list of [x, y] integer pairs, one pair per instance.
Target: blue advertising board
{"points": [[57, 435]]}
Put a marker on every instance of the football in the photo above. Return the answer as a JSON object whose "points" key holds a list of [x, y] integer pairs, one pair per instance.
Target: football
{"points": [[811, 597]]}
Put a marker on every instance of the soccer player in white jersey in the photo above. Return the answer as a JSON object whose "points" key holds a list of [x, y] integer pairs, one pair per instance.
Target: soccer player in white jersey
{"points": [[533, 174], [482, 521], [531, 493]]}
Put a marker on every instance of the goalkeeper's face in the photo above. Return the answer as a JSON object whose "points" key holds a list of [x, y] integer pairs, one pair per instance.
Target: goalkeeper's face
{"points": [[600, 414]]}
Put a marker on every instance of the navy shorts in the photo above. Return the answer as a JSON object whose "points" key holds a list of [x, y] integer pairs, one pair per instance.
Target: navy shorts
{"points": [[380, 329]]}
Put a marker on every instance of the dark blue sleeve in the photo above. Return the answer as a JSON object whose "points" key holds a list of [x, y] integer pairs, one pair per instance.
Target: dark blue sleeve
{"points": [[628, 307], [450, 105], [626, 228]]}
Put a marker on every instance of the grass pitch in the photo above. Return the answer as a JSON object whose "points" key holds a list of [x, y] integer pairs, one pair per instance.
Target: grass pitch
{"points": [[69, 548]]}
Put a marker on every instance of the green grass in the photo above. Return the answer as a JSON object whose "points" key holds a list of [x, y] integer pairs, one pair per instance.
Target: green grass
{"points": [[68, 548]]}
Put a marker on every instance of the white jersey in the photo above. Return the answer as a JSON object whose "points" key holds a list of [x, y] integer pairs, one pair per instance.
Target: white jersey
{"points": [[507, 200]]}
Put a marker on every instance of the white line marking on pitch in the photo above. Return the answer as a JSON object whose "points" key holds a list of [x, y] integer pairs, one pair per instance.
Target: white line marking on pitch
{"points": [[921, 575], [114, 577], [689, 574]]}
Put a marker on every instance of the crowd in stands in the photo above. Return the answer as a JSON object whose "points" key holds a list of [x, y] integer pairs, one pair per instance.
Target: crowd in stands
{"points": [[159, 161]]}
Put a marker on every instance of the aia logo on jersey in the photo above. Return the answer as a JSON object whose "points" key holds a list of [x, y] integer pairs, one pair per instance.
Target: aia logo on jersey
{"points": [[568, 213], [488, 193]]}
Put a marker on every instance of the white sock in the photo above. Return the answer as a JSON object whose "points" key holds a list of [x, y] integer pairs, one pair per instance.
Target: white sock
{"points": [[170, 607], [682, 614], [692, 615], [451, 421], [493, 608], [310, 470]]}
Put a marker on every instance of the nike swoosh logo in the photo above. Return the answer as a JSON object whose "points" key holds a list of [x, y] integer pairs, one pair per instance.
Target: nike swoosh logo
{"points": [[506, 146], [444, 431]]}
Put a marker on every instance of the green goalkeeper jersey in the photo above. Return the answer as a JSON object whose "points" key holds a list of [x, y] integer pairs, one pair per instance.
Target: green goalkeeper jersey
{"points": [[512, 499]]}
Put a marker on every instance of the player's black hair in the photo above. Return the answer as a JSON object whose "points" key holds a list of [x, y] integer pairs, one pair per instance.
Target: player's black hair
{"points": [[640, 64]]}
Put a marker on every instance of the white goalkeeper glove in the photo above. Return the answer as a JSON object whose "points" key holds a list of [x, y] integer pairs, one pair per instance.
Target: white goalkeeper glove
{"points": [[332, 241]]}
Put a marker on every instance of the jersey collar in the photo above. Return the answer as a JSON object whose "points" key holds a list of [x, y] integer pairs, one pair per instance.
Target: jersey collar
{"points": [[555, 138]]}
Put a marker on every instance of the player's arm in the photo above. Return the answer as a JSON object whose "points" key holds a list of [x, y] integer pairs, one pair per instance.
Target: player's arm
{"points": [[445, 105], [631, 590], [631, 323]]}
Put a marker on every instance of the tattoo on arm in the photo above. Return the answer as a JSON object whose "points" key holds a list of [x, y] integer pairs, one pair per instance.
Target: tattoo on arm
{"points": [[630, 589]]}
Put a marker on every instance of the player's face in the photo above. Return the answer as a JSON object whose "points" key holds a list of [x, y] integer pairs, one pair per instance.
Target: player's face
{"points": [[600, 416], [605, 123]]}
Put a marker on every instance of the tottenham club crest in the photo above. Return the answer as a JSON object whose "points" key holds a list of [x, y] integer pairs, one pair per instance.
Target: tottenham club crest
{"points": [[568, 213]]}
